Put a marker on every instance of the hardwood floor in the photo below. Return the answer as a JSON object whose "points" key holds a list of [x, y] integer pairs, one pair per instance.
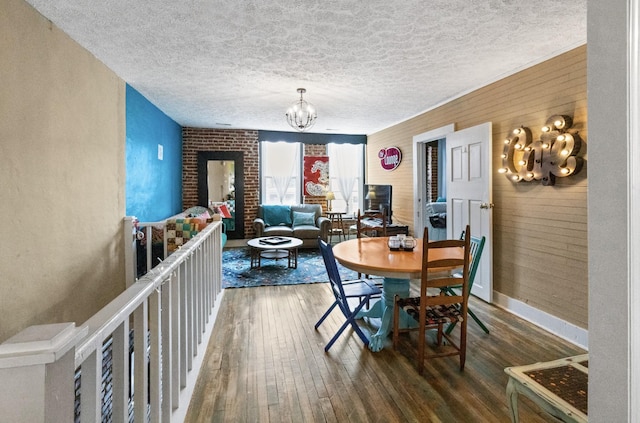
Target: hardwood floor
{"points": [[266, 363]]}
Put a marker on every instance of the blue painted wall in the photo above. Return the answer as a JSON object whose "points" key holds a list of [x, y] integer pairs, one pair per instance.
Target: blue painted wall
{"points": [[153, 186]]}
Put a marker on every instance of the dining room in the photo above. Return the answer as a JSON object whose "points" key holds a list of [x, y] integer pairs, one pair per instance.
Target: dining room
{"points": [[267, 363]]}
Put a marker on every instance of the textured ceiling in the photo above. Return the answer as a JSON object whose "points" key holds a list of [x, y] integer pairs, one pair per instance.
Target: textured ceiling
{"points": [[366, 65]]}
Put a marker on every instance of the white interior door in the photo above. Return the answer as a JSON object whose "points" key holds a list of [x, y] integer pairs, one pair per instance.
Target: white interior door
{"points": [[469, 196]]}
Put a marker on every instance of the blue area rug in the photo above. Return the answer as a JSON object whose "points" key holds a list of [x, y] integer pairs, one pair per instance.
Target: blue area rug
{"points": [[236, 271]]}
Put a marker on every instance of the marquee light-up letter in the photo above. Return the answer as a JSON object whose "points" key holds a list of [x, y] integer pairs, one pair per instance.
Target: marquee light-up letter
{"points": [[553, 155], [561, 160]]}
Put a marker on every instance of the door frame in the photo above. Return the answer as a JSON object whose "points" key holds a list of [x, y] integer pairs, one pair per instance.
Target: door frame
{"points": [[420, 173]]}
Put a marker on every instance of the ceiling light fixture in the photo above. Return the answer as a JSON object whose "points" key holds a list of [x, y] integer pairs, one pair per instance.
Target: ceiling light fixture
{"points": [[301, 115]]}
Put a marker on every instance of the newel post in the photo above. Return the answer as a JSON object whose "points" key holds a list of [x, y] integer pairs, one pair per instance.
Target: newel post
{"points": [[37, 368], [130, 231]]}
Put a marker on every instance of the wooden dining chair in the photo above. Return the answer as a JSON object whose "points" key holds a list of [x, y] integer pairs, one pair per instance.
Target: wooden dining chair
{"points": [[376, 225], [476, 245], [434, 309], [350, 297], [371, 224]]}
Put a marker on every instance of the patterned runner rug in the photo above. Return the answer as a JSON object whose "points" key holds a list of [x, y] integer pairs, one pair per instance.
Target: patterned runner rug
{"points": [[236, 271]]}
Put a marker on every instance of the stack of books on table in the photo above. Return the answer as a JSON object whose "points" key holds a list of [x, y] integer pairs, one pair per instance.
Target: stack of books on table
{"points": [[274, 240]]}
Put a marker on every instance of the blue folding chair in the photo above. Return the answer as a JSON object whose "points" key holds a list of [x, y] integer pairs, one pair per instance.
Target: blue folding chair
{"points": [[356, 292]]}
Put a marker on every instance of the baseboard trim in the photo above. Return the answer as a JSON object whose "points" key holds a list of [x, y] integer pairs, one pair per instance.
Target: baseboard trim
{"points": [[565, 330]]}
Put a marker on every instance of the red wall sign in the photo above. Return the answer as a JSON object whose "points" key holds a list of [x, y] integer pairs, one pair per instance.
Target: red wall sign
{"points": [[390, 158]]}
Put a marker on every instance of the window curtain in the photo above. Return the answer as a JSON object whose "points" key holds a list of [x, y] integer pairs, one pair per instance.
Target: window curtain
{"points": [[281, 160], [311, 138], [345, 168]]}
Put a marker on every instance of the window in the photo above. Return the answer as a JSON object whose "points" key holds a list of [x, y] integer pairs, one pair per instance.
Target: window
{"points": [[280, 167], [346, 175]]}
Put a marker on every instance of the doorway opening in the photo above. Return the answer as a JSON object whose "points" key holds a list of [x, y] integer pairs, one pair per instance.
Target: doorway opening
{"points": [[428, 185], [435, 210]]}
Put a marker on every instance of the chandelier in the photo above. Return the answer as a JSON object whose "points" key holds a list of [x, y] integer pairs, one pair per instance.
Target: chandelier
{"points": [[301, 115]]}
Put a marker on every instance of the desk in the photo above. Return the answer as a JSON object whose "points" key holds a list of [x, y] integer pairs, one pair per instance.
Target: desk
{"points": [[336, 220], [559, 387], [372, 256]]}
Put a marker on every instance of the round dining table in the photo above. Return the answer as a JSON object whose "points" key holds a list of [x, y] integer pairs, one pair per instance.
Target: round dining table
{"points": [[372, 256]]}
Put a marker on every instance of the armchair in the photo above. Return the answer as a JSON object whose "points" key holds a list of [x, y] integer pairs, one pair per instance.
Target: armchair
{"points": [[436, 214]]}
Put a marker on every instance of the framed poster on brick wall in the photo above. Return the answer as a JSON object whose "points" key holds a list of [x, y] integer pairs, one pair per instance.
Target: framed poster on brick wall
{"points": [[316, 175]]}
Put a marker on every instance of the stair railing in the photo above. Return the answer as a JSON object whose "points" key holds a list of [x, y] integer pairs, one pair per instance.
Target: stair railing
{"points": [[169, 314]]}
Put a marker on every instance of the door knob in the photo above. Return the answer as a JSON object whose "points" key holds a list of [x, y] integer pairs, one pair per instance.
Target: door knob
{"points": [[486, 205]]}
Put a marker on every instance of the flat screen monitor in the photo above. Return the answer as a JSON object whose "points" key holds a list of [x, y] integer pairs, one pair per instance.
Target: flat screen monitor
{"points": [[378, 197]]}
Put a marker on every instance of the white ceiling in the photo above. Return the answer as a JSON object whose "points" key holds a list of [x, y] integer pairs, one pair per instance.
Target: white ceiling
{"points": [[366, 65]]}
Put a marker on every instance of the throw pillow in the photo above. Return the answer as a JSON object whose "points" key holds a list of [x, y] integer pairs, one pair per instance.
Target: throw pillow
{"points": [[275, 215], [195, 211], [224, 211], [301, 218]]}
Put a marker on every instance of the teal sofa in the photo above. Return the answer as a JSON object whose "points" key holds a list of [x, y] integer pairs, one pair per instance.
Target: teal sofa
{"points": [[303, 221]]}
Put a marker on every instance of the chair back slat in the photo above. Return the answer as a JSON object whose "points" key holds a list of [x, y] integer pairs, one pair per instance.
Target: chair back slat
{"points": [[369, 229], [445, 243], [443, 281]]}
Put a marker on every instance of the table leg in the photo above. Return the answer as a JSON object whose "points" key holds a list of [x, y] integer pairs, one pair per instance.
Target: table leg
{"points": [[384, 309], [293, 258], [255, 258], [512, 399]]}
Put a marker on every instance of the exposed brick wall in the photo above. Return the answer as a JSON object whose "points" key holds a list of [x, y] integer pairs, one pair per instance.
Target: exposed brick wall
{"points": [[315, 150], [434, 171], [202, 139], [316, 200]]}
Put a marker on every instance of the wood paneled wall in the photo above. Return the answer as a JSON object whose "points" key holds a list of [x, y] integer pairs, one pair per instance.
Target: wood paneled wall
{"points": [[540, 232]]}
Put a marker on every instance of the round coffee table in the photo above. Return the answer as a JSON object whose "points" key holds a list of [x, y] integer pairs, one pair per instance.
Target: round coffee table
{"points": [[274, 247]]}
